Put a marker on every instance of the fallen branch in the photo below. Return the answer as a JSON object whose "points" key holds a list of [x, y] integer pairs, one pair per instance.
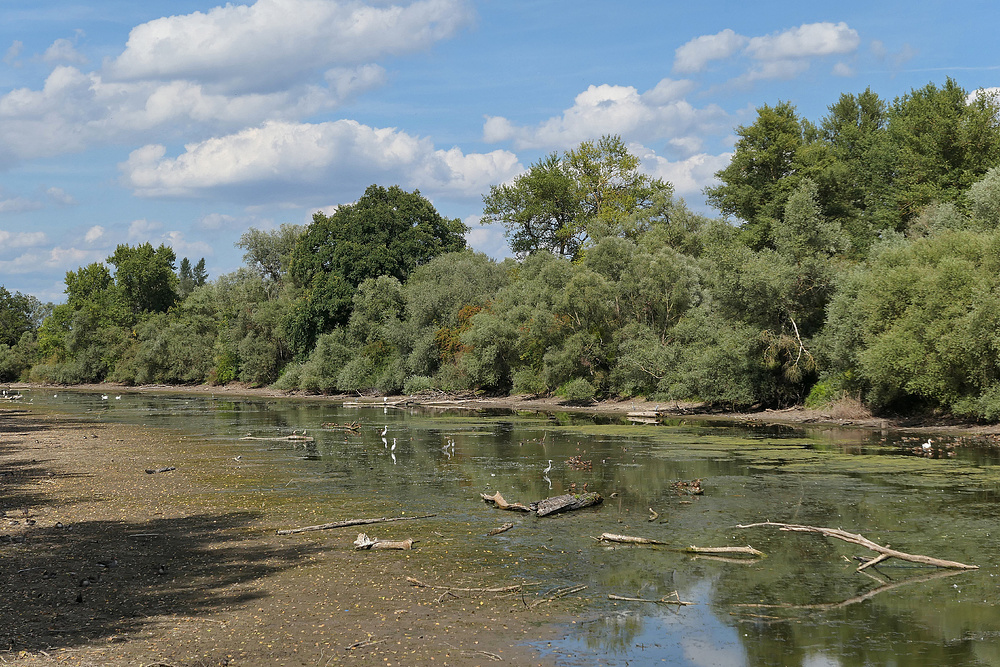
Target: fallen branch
{"points": [[504, 589], [626, 539], [153, 471], [351, 522], [500, 529], [558, 593], [663, 600], [724, 550], [365, 542], [566, 502], [501, 503], [854, 538]]}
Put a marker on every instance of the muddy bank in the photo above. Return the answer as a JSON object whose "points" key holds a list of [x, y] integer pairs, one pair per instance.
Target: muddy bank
{"points": [[105, 564], [847, 413]]}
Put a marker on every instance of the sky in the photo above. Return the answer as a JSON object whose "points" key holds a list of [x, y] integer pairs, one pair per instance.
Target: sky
{"points": [[189, 122]]}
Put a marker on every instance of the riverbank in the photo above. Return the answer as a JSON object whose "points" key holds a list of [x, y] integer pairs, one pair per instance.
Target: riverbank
{"points": [[104, 563]]}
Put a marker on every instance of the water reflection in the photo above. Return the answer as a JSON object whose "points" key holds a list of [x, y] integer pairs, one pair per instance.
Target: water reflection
{"points": [[804, 604]]}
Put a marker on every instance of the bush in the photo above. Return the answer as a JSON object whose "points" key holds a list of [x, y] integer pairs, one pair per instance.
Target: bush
{"points": [[577, 391]]}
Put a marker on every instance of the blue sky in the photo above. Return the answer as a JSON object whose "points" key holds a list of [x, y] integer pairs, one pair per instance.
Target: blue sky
{"points": [[188, 122]]}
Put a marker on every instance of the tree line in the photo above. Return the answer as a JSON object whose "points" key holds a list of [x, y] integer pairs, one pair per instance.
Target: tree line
{"points": [[856, 256]]}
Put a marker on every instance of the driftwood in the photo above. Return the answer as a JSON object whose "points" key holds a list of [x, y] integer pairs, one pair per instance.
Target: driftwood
{"points": [[153, 471], [560, 592], [500, 529], [884, 552], [351, 522], [501, 503], [725, 550], [563, 503], [502, 589], [626, 539], [295, 437], [566, 502], [664, 600], [366, 542]]}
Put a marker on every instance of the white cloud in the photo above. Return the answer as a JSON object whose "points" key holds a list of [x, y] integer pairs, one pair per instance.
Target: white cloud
{"points": [[183, 247], [659, 113], [311, 157], [202, 74], [94, 234], [60, 197], [13, 52], [19, 205], [263, 45], [21, 239], [976, 94], [805, 41], [842, 69], [142, 230], [63, 51], [695, 55], [688, 176]]}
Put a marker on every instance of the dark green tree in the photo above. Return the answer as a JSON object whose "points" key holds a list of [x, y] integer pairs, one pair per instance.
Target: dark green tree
{"points": [[16, 316], [771, 158], [145, 279], [387, 232]]}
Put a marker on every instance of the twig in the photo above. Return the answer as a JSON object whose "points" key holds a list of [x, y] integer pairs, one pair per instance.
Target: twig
{"points": [[504, 589], [868, 544], [662, 600], [626, 539], [559, 593], [351, 522], [724, 550]]}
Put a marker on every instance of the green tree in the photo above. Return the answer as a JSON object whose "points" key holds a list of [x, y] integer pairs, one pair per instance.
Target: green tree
{"points": [[16, 316], [770, 159], [144, 279], [270, 252], [387, 232], [562, 203]]}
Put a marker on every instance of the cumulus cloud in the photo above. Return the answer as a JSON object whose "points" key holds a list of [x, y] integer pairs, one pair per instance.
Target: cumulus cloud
{"points": [[94, 234], [688, 176], [805, 41], [63, 51], [142, 230], [311, 157], [258, 47], [659, 113], [60, 197], [202, 74], [779, 55], [695, 55]]}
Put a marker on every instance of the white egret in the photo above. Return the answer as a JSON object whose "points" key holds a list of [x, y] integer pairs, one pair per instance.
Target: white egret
{"points": [[393, 445], [385, 429], [927, 445], [546, 471]]}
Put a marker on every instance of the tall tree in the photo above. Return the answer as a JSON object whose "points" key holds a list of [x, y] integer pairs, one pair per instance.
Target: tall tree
{"points": [[269, 252], [145, 278], [771, 158], [561, 204], [15, 316], [387, 232]]}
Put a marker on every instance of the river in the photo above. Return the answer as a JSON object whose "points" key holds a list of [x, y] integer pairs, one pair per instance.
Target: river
{"points": [[803, 603]]}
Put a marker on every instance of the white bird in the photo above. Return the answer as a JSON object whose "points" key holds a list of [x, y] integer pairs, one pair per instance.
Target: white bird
{"points": [[118, 397], [104, 397], [393, 445], [385, 429], [927, 445], [546, 471]]}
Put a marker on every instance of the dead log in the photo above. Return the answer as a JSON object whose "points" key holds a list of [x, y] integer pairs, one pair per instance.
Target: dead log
{"points": [[153, 471], [854, 538], [365, 542], [566, 502], [626, 539], [351, 522], [499, 501]]}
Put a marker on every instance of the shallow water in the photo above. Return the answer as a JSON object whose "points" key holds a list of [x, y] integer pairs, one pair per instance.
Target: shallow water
{"points": [[803, 604]]}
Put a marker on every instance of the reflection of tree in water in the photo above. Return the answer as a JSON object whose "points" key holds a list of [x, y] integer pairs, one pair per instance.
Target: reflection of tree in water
{"points": [[614, 633]]}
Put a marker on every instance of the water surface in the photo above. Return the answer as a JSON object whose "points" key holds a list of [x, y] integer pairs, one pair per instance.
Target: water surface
{"points": [[803, 604]]}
